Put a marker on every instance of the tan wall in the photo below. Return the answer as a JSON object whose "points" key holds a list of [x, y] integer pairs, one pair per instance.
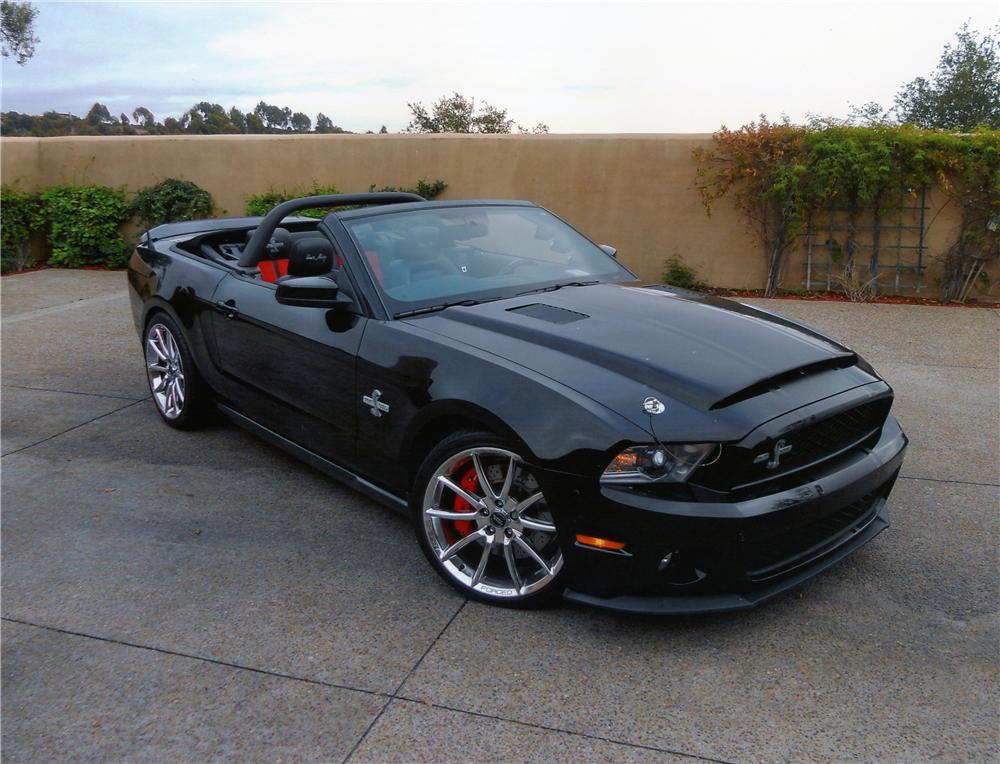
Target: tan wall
{"points": [[632, 191]]}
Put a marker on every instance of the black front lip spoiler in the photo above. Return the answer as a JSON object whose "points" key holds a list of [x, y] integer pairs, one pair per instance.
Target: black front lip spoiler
{"points": [[725, 603], [881, 464]]}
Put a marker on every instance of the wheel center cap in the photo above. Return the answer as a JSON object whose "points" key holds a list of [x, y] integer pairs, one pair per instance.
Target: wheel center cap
{"points": [[499, 518]]}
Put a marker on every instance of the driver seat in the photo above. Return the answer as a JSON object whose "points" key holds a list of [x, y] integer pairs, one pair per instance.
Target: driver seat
{"points": [[419, 258]]}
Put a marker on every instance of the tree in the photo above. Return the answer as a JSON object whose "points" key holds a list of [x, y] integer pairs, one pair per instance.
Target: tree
{"points": [[17, 30], [255, 124], [207, 119], [238, 119], [144, 117], [301, 122], [274, 118], [325, 125], [964, 90], [99, 115], [458, 114]]}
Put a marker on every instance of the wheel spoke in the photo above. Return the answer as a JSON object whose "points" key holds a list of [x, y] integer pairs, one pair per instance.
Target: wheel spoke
{"points": [[531, 551], [447, 514], [524, 506], [151, 343], [158, 368], [508, 555], [175, 354], [536, 525], [484, 484], [483, 560], [459, 545], [509, 478], [460, 492], [178, 392]]}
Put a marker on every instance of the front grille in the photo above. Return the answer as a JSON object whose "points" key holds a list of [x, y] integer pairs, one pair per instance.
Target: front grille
{"points": [[769, 554], [739, 468]]}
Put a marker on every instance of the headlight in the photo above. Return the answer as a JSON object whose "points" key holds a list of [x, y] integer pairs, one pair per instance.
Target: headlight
{"points": [[672, 463]]}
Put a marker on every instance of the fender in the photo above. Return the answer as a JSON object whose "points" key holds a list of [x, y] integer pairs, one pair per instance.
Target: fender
{"points": [[425, 382]]}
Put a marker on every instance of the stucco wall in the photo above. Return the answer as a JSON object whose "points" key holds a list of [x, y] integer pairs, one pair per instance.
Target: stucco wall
{"points": [[632, 191]]}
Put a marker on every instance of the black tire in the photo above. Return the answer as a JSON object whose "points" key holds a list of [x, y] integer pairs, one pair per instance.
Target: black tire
{"points": [[493, 547], [196, 408]]}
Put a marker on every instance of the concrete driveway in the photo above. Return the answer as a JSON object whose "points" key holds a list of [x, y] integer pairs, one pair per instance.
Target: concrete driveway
{"points": [[178, 597]]}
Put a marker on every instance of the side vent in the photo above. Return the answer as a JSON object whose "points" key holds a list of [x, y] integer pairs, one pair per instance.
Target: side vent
{"points": [[549, 313]]}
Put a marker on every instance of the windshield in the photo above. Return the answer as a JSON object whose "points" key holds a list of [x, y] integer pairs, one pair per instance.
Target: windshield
{"points": [[441, 255]]}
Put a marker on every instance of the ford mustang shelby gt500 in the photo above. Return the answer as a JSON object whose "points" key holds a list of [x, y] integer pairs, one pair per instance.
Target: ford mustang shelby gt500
{"points": [[550, 426]]}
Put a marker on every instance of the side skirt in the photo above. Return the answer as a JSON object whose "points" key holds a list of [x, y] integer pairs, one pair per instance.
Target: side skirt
{"points": [[318, 462]]}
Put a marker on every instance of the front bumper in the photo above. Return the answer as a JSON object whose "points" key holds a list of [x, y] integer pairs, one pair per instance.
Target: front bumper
{"points": [[701, 557]]}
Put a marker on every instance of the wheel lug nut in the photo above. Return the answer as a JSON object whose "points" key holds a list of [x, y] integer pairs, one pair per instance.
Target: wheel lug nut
{"points": [[485, 511], [489, 530], [509, 533], [513, 515]]}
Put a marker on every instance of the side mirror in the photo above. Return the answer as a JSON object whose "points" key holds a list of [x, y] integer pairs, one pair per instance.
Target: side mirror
{"points": [[608, 249], [311, 292]]}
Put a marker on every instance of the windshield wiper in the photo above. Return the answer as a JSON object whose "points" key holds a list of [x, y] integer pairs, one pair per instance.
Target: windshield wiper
{"points": [[442, 306], [554, 287]]}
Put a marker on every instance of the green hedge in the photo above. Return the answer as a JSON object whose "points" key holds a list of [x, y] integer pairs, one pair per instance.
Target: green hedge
{"points": [[171, 200], [83, 224], [20, 213]]}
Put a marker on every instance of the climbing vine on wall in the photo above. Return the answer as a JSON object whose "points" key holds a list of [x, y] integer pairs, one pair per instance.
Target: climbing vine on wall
{"points": [[780, 176]]}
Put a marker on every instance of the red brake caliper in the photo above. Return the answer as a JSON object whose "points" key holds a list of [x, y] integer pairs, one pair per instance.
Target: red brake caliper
{"points": [[470, 483]]}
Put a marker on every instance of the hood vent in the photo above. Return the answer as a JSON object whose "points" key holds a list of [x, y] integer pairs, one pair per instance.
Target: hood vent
{"points": [[773, 383], [549, 313]]}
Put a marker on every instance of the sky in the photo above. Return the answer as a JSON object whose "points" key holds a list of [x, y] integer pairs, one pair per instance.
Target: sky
{"points": [[593, 67]]}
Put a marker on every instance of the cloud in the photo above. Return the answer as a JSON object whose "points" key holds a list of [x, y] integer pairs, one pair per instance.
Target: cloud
{"points": [[592, 67]]}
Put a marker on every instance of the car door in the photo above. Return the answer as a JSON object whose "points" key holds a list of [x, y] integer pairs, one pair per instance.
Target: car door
{"points": [[289, 368]]}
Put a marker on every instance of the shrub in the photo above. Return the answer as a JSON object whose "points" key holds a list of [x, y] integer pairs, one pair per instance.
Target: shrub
{"points": [[428, 190], [677, 274], [21, 215], [84, 223], [261, 204], [171, 200]]}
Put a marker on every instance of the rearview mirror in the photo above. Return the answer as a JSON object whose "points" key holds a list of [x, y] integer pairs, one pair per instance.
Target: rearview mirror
{"points": [[311, 292], [608, 249]]}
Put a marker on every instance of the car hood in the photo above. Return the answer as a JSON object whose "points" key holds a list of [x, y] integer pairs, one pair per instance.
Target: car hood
{"points": [[619, 344]]}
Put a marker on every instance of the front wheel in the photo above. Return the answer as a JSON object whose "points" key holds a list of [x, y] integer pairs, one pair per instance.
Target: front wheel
{"points": [[485, 523], [178, 392]]}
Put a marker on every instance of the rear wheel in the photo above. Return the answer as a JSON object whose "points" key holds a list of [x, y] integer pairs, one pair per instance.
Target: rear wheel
{"points": [[485, 523], [178, 392]]}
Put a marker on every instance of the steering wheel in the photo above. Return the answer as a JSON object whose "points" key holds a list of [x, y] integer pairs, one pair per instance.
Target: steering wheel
{"points": [[519, 263]]}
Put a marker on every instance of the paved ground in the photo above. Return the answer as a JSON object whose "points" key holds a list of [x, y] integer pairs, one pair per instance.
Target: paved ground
{"points": [[184, 597]]}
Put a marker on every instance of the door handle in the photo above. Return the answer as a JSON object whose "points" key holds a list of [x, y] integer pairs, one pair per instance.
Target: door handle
{"points": [[227, 308]]}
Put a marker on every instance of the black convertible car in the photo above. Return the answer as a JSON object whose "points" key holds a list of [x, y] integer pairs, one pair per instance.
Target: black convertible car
{"points": [[551, 427]]}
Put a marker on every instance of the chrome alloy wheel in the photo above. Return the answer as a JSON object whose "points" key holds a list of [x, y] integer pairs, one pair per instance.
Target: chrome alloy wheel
{"points": [[165, 371], [487, 521]]}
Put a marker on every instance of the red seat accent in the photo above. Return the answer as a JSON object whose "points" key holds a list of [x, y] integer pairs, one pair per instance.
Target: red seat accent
{"points": [[376, 265], [272, 270]]}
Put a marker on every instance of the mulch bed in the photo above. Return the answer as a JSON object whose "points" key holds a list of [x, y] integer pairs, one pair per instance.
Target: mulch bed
{"points": [[888, 299]]}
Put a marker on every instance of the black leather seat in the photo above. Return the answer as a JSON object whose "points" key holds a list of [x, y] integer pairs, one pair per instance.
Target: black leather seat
{"points": [[311, 256], [419, 258]]}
